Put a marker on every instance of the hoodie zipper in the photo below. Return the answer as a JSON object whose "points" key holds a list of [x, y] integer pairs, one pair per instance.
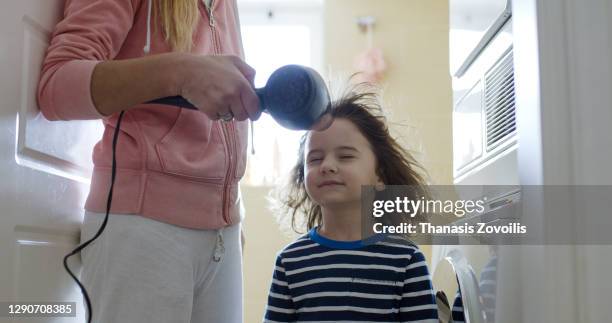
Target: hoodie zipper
{"points": [[225, 126], [212, 23]]}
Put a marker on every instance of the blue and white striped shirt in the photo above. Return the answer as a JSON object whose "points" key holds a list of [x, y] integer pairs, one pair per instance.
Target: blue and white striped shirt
{"points": [[383, 279]]}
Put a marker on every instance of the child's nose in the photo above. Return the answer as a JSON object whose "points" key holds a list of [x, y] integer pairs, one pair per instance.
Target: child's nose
{"points": [[329, 166]]}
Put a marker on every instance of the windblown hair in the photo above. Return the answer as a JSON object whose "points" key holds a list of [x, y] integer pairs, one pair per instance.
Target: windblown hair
{"points": [[394, 164]]}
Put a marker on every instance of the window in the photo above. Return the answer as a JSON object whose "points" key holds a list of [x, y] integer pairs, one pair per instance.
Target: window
{"points": [[276, 34]]}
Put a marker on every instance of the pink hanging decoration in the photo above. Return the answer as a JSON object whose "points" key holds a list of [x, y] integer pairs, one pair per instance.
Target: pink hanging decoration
{"points": [[370, 64]]}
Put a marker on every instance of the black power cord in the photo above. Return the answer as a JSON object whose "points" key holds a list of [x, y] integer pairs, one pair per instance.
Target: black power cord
{"points": [[102, 227]]}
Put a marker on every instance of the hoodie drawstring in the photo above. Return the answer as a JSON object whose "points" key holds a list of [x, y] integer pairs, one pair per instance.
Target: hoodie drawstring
{"points": [[147, 47], [252, 137]]}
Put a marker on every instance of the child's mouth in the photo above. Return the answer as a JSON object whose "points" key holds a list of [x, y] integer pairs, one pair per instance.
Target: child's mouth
{"points": [[330, 183]]}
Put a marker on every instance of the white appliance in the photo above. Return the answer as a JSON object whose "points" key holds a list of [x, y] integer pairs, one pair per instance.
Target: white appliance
{"points": [[484, 119], [484, 142], [561, 51]]}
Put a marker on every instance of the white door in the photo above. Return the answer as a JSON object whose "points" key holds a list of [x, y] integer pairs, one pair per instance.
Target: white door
{"points": [[44, 169]]}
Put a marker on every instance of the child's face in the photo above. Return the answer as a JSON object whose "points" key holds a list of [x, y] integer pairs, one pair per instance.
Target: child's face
{"points": [[338, 161]]}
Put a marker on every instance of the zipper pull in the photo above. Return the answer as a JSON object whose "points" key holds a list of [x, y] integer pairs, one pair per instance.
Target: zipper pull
{"points": [[211, 17]]}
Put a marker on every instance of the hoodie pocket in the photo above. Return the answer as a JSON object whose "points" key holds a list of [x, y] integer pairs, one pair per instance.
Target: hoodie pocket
{"points": [[193, 148]]}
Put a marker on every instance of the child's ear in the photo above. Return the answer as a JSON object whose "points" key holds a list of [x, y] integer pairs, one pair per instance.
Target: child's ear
{"points": [[380, 185]]}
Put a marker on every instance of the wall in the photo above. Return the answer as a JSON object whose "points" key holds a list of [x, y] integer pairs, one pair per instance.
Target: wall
{"points": [[263, 241], [413, 36]]}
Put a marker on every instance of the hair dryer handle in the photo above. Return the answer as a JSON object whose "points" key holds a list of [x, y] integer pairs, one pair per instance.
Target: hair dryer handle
{"points": [[177, 101], [181, 102], [261, 95]]}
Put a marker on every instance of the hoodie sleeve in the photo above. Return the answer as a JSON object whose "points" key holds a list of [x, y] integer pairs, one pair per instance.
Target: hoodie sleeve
{"points": [[90, 32]]}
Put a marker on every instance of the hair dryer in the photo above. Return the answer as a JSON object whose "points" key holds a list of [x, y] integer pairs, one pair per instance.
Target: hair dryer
{"points": [[295, 96]]}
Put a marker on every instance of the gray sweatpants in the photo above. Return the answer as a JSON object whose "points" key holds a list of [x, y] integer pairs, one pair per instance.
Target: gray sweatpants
{"points": [[142, 270]]}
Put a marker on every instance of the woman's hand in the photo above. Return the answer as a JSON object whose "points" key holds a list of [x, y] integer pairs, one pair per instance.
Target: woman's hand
{"points": [[218, 86]]}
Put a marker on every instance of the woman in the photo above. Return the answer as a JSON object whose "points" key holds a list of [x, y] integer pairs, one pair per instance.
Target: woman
{"points": [[170, 251]]}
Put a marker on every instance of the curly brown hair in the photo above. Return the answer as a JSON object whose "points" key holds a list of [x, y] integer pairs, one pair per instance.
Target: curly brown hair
{"points": [[394, 164]]}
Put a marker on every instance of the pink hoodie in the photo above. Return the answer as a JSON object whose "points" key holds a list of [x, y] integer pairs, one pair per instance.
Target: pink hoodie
{"points": [[173, 165]]}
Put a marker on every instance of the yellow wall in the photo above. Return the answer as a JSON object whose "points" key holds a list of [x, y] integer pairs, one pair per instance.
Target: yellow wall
{"points": [[413, 35], [263, 241]]}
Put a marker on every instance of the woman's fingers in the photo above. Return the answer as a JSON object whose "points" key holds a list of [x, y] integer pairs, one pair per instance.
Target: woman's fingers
{"points": [[248, 97], [238, 110], [245, 69], [250, 102], [219, 85]]}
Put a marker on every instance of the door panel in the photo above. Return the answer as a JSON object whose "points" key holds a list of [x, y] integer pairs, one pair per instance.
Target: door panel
{"points": [[44, 168]]}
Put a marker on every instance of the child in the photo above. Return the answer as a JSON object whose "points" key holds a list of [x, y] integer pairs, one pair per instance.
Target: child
{"points": [[329, 274]]}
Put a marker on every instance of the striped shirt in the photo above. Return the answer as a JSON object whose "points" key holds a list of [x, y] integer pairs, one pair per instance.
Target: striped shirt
{"points": [[382, 279]]}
